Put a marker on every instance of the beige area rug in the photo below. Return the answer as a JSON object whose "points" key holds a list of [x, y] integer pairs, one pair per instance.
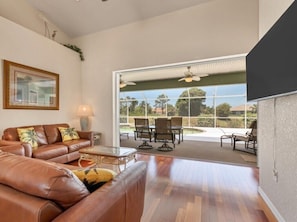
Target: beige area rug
{"points": [[198, 150], [249, 158]]}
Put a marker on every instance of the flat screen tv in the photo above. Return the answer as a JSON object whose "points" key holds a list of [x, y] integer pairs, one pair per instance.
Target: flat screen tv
{"points": [[271, 66]]}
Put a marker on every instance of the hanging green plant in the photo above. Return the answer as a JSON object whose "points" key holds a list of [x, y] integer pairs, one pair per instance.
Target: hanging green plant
{"points": [[76, 49]]}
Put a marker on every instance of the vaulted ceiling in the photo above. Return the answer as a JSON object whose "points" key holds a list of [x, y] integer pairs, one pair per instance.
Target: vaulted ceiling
{"points": [[81, 17]]}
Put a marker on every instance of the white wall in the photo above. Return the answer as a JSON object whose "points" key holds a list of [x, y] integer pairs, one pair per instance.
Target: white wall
{"points": [[20, 12], [24, 46], [277, 136], [217, 28]]}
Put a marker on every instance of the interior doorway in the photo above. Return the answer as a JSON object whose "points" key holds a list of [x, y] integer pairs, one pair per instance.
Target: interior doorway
{"points": [[172, 72]]}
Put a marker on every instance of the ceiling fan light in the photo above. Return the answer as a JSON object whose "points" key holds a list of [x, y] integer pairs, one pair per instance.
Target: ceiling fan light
{"points": [[188, 79]]}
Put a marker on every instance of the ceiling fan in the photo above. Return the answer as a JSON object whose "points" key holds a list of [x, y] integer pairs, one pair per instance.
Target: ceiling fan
{"points": [[124, 83], [189, 76]]}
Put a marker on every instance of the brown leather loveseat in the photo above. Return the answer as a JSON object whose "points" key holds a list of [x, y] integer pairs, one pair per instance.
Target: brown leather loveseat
{"points": [[37, 190], [50, 144]]}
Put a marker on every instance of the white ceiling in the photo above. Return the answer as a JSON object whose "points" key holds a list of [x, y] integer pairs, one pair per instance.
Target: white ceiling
{"points": [[81, 17]]}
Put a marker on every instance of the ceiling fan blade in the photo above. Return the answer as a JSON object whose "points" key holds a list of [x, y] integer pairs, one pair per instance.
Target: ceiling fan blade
{"points": [[196, 78], [202, 75], [124, 83], [182, 79], [130, 83]]}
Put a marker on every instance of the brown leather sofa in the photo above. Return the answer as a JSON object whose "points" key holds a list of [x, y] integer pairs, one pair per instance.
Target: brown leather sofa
{"points": [[37, 190], [50, 145], [12, 147]]}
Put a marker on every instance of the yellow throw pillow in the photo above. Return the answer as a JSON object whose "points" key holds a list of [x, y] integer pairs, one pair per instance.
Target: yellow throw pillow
{"points": [[68, 134], [95, 177], [28, 135]]}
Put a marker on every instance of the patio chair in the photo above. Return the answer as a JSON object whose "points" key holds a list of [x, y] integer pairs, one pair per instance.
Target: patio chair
{"points": [[177, 127], [163, 132], [226, 136], [249, 138], [143, 131]]}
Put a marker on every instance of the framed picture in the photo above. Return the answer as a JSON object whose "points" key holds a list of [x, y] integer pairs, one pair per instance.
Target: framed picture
{"points": [[25, 87]]}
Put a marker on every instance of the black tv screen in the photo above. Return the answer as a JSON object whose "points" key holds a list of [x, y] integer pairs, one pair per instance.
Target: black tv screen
{"points": [[271, 66]]}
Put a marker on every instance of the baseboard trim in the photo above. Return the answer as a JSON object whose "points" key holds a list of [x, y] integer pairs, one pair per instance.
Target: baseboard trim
{"points": [[269, 209]]}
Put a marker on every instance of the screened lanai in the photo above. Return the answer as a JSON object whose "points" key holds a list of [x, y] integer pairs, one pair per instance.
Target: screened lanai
{"points": [[210, 107]]}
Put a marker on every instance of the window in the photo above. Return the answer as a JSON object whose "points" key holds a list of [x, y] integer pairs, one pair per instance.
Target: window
{"points": [[209, 106]]}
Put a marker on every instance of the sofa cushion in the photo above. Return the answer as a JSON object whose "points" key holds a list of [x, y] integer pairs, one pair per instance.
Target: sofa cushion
{"points": [[50, 151], [68, 133], [95, 177], [41, 178], [75, 145], [52, 132], [28, 135], [41, 137]]}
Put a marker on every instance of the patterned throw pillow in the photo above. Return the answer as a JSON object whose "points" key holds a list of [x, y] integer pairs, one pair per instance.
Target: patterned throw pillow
{"points": [[28, 135], [95, 177], [68, 134]]}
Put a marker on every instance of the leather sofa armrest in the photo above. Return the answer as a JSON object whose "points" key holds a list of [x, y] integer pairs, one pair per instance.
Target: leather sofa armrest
{"points": [[127, 190], [9, 143], [28, 149], [16, 147], [88, 135], [12, 147]]}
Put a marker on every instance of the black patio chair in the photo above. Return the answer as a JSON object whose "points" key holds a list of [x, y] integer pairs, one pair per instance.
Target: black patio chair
{"points": [[143, 131], [163, 132]]}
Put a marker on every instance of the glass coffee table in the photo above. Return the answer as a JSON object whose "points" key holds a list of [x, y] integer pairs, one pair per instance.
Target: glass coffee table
{"points": [[108, 155]]}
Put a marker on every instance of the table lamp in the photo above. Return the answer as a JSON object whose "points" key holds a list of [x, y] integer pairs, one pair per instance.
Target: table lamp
{"points": [[84, 111]]}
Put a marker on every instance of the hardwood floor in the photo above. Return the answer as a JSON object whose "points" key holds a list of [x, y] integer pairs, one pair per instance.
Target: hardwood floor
{"points": [[192, 191]]}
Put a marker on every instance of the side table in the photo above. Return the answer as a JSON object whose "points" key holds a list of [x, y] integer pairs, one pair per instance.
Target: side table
{"points": [[96, 138]]}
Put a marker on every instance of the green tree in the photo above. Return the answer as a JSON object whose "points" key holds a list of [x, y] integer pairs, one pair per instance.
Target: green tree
{"points": [[133, 104], [208, 110], [149, 108], [161, 101], [223, 110], [197, 97], [170, 110], [123, 110], [140, 109], [123, 107], [128, 102]]}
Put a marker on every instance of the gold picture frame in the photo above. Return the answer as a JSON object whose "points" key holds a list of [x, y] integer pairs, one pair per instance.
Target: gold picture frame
{"points": [[25, 87]]}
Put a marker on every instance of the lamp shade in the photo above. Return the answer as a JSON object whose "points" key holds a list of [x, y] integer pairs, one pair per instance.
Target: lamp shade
{"points": [[85, 110]]}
